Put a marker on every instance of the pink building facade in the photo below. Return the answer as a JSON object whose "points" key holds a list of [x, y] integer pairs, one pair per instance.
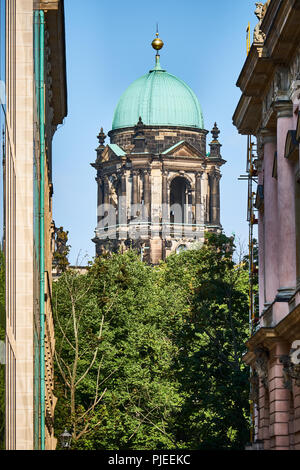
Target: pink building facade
{"points": [[269, 110]]}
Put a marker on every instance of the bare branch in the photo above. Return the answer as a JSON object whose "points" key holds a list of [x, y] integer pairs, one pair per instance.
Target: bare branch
{"points": [[94, 357]]}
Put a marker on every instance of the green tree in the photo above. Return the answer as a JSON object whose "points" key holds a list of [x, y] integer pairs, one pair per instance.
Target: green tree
{"points": [[132, 369], [159, 347], [213, 377]]}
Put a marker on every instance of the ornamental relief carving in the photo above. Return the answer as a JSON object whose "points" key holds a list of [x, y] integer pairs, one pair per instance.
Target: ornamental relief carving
{"points": [[261, 365], [281, 83], [268, 100], [254, 387], [290, 370], [279, 90], [294, 78], [258, 35]]}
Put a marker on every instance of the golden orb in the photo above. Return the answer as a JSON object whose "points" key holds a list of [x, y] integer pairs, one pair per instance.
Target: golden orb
{"points": [[157, 44]]}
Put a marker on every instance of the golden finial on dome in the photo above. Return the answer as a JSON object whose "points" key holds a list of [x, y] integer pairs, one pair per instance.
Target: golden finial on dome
{"points": [[157, 43]]}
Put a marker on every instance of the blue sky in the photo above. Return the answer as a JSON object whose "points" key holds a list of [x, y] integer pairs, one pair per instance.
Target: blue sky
{"points": [[108, 47]]}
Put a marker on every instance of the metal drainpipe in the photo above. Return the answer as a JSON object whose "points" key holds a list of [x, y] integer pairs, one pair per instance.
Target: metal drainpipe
{"points": [[37, 91], [42, 228]]}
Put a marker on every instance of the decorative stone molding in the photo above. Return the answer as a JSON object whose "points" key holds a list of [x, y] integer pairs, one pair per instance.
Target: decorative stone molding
{"points": [[295, 91], [181, 174], [268, 102], [294, 77], [283, 108], [268, 136], [281, 83], [261, 364], [290, 371], [287, 379]]}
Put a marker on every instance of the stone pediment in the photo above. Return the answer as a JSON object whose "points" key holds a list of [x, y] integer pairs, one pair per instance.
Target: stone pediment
{"points": [[112, 152], [183, 149]]}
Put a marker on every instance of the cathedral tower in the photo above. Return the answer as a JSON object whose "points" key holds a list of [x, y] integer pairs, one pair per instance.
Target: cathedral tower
{"points": [[158, 188]]}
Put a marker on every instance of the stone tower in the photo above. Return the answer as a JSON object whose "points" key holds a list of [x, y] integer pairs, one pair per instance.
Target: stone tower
{"points": [[158, 187]]}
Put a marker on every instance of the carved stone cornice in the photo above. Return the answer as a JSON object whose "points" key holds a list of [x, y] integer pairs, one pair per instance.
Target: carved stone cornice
{"points": [[290, 371], [55, 21], [283, 108], [275, 75], [281, 26], [267, 136]]}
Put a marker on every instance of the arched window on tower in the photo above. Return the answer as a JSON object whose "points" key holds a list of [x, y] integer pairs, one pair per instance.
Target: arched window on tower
{"points": [[180, 200]]}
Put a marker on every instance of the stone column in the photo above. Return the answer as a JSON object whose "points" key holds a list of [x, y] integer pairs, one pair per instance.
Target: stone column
{"points": [[214, 197], [193, 207], [264, 417], [286, 207], [261, 261], [271, 226], [165, 202], [122, 215], [106, 196], [198, 197], [296, 392], [135, 193], [147, 194], [218, 178], [279, 399], [206, 197], [297, 222], [100, 199]]}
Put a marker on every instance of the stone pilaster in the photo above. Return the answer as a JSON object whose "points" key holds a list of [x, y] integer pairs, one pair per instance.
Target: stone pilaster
{"points": [[214, 179], [122, 214], [100, 199], [135, 192], [296, 392], [165, 201], [297, 223], [198, 199], [147, 193], [286, 206], [280, 398], [106, 192], [270, 245]]}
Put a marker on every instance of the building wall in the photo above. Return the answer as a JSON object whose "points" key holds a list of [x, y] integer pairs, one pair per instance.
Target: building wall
{"points": [[19, 215], [22, 209], [269, 110]]}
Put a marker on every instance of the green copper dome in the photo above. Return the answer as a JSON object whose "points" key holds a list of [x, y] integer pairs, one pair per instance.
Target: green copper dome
{"points": [[159, 98]]}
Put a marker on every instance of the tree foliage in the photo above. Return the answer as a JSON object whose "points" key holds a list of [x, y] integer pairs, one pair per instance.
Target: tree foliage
{"points": [[151, 357]]}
